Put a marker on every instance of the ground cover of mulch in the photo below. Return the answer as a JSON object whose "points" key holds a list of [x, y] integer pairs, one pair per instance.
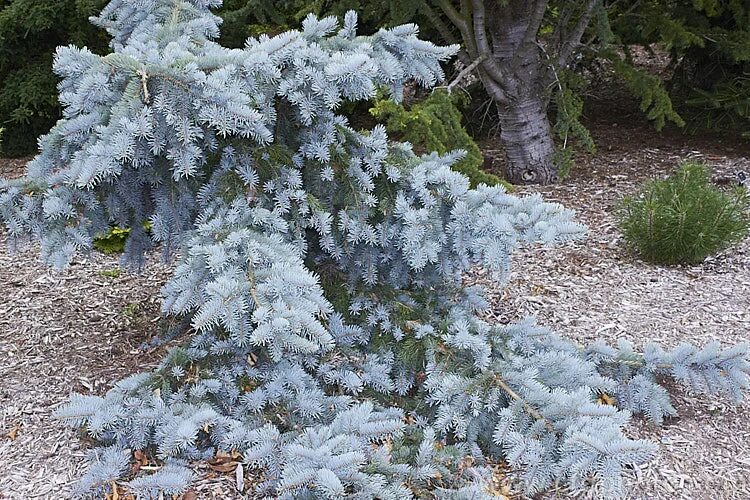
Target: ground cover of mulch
{"points": [[86, 328], [595, 289]]}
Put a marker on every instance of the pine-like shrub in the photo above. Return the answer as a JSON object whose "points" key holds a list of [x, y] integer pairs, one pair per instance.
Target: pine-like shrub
{"points": [[332, 343], [434, 124], [684, 218], [30, 30]]}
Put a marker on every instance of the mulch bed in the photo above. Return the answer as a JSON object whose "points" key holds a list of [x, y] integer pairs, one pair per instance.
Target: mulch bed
{"points": [[594, 289], [85, 328]]}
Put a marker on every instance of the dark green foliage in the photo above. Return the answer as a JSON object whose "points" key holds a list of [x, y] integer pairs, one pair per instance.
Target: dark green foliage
{"points": [[245, 18], [30, 30], [683, 219], [655, 100], [112, 242], [709, 41], [28, 106], [614, 29], [434, 124], [725, 106], [569, 131]]}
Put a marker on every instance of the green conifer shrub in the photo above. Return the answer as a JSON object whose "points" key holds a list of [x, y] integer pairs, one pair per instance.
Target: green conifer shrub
{"points": [[683, 219], [113, 241], [434, 124], [30, 30]]}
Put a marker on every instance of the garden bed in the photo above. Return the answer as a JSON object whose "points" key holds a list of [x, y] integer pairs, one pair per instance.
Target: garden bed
{"points": [[90, 326]]}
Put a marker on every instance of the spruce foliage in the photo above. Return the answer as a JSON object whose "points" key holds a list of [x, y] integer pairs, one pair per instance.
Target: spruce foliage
{"points": [[709, 41], [684, 219], [332, 343]]}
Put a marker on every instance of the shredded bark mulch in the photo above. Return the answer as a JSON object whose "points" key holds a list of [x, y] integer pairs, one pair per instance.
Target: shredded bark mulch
{"points": [[86, 328], [595, 289]]}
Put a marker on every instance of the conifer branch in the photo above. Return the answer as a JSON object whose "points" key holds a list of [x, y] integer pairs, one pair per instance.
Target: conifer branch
{"points": [[500, 382]]}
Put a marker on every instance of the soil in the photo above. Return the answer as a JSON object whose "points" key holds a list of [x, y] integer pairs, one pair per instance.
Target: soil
{"points": [[86, 328]]}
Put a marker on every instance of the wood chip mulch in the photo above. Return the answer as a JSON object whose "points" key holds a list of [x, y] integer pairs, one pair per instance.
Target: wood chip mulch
{"points": [[85, 328], [595, 289]]}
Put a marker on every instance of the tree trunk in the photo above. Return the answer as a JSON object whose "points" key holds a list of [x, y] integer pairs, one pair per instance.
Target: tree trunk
{"points": [[527, 138], [522, 78], [518, 70]]}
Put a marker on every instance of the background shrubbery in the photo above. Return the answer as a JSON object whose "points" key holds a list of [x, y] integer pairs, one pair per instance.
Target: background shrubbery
{"points": [[709, 44], [684, 218], [30, 31], [434, 124]]}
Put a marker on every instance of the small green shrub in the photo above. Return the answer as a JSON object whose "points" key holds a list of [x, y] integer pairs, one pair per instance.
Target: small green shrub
{"points": [[113, 241], [683, 219], [434, 124]]}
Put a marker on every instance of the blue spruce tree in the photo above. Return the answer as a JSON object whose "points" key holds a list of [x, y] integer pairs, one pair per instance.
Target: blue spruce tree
{"points": [[333, 345]]}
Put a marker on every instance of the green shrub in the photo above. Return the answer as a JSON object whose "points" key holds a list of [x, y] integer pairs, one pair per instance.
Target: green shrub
{"points": [[684, 218], [725, 107], [434, 124], [30, 31], [113, 241]]}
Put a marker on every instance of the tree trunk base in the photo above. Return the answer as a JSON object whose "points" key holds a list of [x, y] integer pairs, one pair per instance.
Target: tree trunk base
{"points": [[529, 147]]}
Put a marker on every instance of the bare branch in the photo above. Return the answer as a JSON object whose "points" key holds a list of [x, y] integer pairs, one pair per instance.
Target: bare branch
{"points": [[560, 28], [468, 69], [573, 41], [480, 29], [466, 14], [483, 47], [535, 22]]}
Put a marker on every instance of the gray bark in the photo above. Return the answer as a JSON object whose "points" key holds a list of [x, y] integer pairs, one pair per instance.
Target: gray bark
{"points": [[525, 130], [517, 72], [527, 138]]}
